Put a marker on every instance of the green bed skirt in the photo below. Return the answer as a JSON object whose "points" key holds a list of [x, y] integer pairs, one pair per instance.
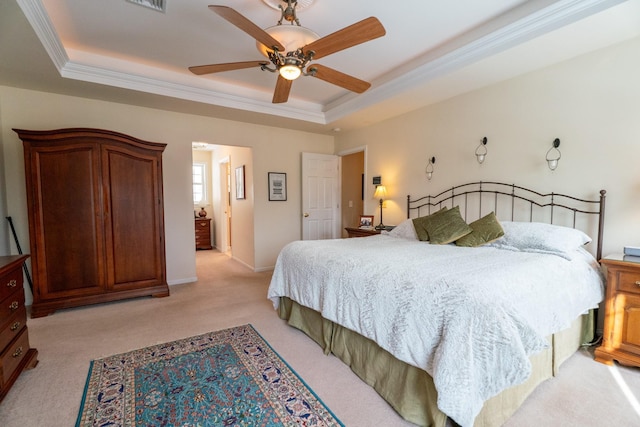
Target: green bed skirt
{"points": [[410, 390]]}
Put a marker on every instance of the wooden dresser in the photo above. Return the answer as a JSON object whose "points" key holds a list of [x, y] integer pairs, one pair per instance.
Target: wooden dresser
{"points": [[203, 233], [15, 353], [621, 337]]}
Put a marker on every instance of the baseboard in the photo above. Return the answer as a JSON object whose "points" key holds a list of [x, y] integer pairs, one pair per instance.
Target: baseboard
{"points": [[182, 281]]}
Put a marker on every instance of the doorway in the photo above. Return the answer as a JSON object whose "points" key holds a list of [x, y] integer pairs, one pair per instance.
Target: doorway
{"points": [[232, 213], [352, 185]]}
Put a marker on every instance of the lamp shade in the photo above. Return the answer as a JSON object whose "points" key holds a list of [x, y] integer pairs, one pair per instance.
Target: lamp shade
{"points": [[381, 192], [292, 37]]}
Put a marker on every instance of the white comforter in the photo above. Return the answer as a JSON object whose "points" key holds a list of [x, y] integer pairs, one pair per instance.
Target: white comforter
{"points": [[470, 317]]}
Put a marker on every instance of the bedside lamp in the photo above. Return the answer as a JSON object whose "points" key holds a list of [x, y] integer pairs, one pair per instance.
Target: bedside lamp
{"points": [[381, 193]]}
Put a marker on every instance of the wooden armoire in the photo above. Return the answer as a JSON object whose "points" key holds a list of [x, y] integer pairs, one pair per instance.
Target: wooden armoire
{"points": [[96, 217]]}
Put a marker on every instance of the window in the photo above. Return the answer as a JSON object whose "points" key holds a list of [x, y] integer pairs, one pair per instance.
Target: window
{"points": [[199, 183]]}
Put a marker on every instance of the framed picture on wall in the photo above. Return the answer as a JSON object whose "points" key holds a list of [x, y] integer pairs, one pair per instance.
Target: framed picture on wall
{"points": [[277, 186], [240, 183]]}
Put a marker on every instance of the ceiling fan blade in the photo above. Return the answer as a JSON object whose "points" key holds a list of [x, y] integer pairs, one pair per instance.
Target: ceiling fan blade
{"points": [[283, 87], [217, 68], [247, 26], [360, 32], [335, 77]]}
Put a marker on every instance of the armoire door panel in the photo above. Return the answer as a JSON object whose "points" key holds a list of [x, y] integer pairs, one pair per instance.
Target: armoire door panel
{"points": [[68, 189], [133, 217]]}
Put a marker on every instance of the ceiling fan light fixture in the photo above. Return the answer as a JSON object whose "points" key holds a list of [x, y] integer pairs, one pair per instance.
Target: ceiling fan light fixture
{"points": [[290, 72], [291, 37]]}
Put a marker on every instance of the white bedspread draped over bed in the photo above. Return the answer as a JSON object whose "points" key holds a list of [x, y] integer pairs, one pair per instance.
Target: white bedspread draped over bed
{"points": [[470, 317]]}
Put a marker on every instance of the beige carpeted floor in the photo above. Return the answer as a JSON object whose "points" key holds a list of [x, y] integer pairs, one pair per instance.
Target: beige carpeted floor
{"points": [[228, 294]]}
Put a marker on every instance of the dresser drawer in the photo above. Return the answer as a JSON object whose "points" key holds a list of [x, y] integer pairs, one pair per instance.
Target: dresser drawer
{"points": [[10, 282], [12, 326], [11, 304], [12, 355], [202, 230], [202, 233], [629, 281]]}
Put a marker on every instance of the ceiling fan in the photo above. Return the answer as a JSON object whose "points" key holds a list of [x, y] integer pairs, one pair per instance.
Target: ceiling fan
{"points": [[291, 48]]}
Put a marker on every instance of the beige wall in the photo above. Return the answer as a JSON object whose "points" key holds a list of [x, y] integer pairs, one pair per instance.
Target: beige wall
{"points": [[5, 234], [275, 224], [592, 103]]}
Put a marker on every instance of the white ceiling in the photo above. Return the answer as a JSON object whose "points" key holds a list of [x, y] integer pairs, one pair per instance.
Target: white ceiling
{"points": [[433, 50]]}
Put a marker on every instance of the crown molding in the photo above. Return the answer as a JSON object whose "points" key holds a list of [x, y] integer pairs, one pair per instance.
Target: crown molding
{"points": [[294, 110], [37, 16]]}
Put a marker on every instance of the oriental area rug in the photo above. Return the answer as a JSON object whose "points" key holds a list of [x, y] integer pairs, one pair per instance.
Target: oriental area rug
{"points": [[225, 378]]}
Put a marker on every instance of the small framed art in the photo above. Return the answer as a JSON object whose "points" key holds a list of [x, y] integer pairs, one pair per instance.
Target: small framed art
{"points": [[366, 221], [240, 183], [277, 186]]}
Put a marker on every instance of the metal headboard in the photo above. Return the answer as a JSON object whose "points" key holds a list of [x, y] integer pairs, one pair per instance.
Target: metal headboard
{"points": [[512, 198]]}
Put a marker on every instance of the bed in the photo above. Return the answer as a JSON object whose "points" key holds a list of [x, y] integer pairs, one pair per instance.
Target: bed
{"points": [[445, 331]]}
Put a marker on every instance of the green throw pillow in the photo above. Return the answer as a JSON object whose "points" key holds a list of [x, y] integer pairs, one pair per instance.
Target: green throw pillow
{"points": [[446, 226], [485, 230], [419, 225]]}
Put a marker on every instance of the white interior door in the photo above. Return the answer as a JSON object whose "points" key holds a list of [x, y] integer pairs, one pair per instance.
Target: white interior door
{"points": [[320, 196]]}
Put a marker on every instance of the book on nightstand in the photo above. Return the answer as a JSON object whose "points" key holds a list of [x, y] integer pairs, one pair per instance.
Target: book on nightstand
{"points": [[632, 251]]}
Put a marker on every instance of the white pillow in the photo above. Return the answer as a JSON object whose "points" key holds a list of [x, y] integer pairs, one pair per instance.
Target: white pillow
{"points": [[404, 230], [540, 238]]}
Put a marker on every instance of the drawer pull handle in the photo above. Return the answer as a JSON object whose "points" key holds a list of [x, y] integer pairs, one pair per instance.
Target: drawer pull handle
{"points": [[638, 282], [15, 326], [14, 306], [12, 283], [18, 352]]}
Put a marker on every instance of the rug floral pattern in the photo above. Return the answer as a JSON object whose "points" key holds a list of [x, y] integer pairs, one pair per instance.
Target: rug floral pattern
{"points": [[225, 378]]}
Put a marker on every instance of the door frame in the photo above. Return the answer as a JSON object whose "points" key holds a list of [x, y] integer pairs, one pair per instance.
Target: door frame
{"points": [[225, 213]]}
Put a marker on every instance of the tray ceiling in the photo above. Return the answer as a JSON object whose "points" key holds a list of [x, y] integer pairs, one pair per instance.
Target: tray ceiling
{"points": [[432, 50]]}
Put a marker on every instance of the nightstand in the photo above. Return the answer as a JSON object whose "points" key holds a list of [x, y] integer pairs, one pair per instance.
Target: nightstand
{"points": [[621, 337], [203, 233], [361, 232]]}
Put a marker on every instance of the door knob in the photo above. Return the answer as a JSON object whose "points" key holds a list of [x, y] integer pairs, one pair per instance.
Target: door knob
{"points": [[306, 214]]}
